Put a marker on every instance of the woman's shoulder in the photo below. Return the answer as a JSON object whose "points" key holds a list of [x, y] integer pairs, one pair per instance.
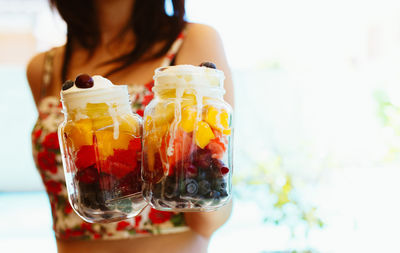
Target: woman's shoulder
{"points": [[202, 42], [196, 32], [35, 70], [34, 74]]}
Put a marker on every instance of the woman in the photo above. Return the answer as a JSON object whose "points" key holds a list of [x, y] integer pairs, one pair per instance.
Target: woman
{"points": [[124, 40]]}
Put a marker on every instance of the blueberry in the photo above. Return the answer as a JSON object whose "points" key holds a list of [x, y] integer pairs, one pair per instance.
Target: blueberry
{"points": [[215, 194], [204, 187], [171, 190], [84, 81], [224, 193], [68, 84], [220, 184], [202, 175], [208, 65], [191, 187]]}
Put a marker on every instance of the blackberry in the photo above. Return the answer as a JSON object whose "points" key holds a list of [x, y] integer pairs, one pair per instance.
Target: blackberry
{"points": [[208, 65], [68, 84]]}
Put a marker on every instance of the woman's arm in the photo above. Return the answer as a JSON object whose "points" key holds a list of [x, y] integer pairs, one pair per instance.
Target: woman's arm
{"points": [[202, 43]]}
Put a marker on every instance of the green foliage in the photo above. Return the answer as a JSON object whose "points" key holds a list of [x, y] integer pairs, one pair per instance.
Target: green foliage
{"points": [[287, 206], [389, 114]]}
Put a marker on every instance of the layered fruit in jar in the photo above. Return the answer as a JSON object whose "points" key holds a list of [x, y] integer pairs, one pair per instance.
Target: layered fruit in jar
{"points": [[101, 147], [187, 152]]}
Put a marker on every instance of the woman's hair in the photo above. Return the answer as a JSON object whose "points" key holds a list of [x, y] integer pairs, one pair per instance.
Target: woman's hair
{"points": [[149, 22]]}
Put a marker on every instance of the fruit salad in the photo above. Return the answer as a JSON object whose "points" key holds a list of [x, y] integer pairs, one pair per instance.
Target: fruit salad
{"points": [[101, 149], [187, 161]]}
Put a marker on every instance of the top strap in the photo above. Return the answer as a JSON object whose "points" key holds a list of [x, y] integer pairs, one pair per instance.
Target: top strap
{"points": [[170, 56], [47, 71]]}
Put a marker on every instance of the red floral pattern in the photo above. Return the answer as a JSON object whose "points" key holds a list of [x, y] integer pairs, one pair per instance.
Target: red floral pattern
{"points": [[53, 187], [122, 225], [47, 161], [51, 141], [158, 217], [35, 135]]}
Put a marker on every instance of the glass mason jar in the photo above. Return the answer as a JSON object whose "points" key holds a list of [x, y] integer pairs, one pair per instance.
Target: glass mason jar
{"points": [[187, 141], [101, 151]]}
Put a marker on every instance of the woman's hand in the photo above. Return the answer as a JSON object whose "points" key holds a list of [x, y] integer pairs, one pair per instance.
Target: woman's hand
{"points": [[205, 223]]}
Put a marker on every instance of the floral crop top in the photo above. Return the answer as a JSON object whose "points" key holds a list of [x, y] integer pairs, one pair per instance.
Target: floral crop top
{"points": [[46, 153]]}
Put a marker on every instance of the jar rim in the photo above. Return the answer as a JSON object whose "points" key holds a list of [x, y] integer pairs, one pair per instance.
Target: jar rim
{"points": [[188, 75]]}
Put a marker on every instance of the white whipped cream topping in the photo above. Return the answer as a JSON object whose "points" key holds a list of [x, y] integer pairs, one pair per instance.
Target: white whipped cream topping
{"points": [[99, 82], [102, 91], [188, 76]]}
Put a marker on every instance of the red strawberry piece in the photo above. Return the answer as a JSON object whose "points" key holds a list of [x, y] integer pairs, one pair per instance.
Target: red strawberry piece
{"points": [[182, 146], [85, 157], [127, 157], [121, 163], [130, 184], [114, 168], [88, 175], [135, 144], [217, 148]]}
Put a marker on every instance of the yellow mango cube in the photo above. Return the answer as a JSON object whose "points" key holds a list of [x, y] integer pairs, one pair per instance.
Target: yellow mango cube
{"points": [[106, 143], [80, 133], [129, 124], [227, 131], [211, 117], [188, 119], [224, 118], [102, 122], [148, 123], [217, 119], [163, 113], [97, 110], [204, 134]]}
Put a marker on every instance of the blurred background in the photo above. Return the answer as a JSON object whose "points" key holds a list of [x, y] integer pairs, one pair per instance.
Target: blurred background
{"points": [[317, 139]]}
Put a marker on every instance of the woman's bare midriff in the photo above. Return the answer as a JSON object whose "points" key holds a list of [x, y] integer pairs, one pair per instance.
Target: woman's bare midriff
{"points": [[185, 242]]}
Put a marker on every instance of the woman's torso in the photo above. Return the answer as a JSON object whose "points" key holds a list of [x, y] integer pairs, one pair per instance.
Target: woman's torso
{"points": [[67, 225]]}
